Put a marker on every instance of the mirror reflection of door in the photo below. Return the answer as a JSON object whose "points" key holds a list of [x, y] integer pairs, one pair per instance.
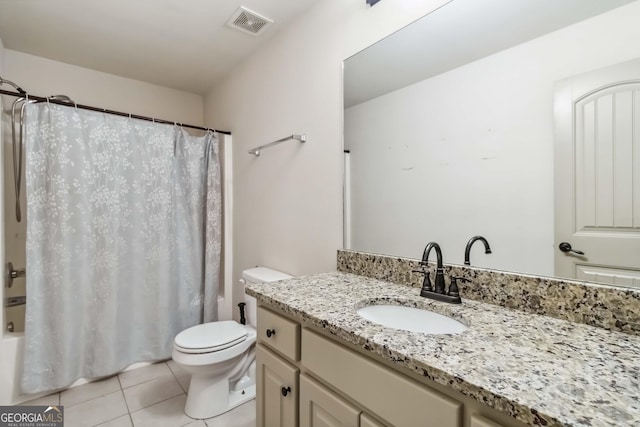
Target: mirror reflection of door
{"points": [[597, 176]]}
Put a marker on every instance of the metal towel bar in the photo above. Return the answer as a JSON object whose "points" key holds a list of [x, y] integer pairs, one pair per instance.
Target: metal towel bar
{"points": [[256, 151]]}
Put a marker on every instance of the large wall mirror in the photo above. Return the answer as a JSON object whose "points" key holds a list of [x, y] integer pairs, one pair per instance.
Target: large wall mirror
{"points": [[451, 129]]}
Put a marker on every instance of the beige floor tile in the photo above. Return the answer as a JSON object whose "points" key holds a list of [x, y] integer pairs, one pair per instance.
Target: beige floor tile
{"points": [[82, 393], [174, 366], [123, 421], [140, 375], [150, 392], [154, 397], [50, 399], [242, 416], [183, 377], [169, 413], [96, 411]]}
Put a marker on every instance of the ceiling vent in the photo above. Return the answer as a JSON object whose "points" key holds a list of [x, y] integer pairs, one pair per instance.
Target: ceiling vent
{"points": [[248, 21]]}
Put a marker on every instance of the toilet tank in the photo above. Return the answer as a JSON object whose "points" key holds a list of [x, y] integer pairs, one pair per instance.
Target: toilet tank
{"points": [[258, 275], [263, 274]]}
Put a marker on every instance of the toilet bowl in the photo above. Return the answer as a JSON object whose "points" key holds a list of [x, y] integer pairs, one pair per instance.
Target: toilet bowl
{"points": [[220, 356]]}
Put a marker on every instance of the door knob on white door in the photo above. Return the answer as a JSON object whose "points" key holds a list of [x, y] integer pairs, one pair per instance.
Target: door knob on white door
{"points": [[566, 247]]}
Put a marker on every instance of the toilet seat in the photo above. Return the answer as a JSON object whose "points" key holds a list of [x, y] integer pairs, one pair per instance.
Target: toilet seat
{"points": [[210, 337]]}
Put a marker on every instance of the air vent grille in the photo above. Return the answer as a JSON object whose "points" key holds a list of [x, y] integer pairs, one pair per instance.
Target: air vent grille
{"points": [[248, 21]]}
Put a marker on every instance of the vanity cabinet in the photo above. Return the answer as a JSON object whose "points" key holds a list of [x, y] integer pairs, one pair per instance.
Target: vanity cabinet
{"points": [[393, 397], [276, 390], [277, 373], [279, 333], [367, 421], [319, 407], [305, 378], [478, 421]]}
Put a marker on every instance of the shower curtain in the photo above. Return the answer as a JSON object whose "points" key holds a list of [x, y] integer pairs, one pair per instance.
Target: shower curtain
{"points": [[123, 241]]}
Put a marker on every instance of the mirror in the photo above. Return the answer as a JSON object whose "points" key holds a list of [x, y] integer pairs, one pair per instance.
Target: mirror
{"points": [[449, 126]]}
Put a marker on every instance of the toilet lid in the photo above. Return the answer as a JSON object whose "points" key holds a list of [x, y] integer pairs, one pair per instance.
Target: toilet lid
{"points": [[209, 337]]}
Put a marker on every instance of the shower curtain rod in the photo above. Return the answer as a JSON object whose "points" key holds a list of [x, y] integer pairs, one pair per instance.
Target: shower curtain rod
{"points": [[104, 110]]}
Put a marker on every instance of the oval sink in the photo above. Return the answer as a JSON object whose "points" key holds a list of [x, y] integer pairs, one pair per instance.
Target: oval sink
{"points": [[411, 319]]}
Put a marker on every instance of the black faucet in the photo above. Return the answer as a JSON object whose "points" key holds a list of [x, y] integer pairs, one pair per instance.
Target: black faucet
{"points": [[439, 292], [439, 288], [467, 250]]}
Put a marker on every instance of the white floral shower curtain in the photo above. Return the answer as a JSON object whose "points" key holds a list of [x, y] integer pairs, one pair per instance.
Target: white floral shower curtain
{"points": [[123, 241]]}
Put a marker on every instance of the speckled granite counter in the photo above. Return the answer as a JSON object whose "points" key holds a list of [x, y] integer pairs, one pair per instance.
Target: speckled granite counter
{"points": [[540, 370]]}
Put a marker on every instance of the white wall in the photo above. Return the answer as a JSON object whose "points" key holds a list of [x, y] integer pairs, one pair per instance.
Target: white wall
{"points": [[288, 201], [471, 151], [45, 77]]}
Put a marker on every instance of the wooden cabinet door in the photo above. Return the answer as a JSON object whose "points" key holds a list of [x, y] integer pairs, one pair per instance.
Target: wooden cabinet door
{"points": [[391, 396], [478, 421], [319, 407], [276, 390], [368, 421]]}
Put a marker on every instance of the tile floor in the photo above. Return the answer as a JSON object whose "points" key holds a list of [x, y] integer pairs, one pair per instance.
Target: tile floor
{"points": [[152, 396]]}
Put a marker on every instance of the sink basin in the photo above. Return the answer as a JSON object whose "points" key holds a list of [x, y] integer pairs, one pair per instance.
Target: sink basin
{"points": [[411, 319]]}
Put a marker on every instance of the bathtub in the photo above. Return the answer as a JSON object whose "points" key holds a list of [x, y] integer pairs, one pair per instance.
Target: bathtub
{"points": [[12, 348], [12, 352], [11, 355]]}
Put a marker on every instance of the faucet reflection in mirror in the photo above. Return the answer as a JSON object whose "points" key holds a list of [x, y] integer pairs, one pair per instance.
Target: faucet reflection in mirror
{"points": [[607, 307], [481, 126], [467, 250]]}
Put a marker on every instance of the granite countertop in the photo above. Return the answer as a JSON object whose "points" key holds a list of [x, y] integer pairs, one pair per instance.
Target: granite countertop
{"points": [[540, 370]]}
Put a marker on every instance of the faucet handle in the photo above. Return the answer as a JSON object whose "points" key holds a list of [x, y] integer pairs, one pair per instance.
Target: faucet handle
{"points": [[453, 287], [426, 282], [423, 268]]}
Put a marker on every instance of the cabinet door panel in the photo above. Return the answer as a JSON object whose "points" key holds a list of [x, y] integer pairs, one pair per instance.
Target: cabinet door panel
{"points": [[391, 396], [367, 421], [279, 333], [273, 408], [478, 421], [320, 407]]}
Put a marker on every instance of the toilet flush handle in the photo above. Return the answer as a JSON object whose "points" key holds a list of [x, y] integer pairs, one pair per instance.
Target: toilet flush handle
{"points": [[243, 320]]}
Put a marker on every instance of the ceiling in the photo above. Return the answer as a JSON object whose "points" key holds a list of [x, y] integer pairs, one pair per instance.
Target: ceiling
{"points": [[482, 28], [181, 44]]}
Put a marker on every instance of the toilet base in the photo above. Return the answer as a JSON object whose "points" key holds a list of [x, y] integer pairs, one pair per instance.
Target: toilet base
{"points": [[207, 400]]}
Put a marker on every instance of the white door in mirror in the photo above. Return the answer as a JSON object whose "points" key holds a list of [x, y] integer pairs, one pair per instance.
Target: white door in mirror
{"points": [[597, 201], [411, 319]]}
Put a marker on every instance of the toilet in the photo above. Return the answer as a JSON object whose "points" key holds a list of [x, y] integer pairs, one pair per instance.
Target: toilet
{"points": [[220, 356]]}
